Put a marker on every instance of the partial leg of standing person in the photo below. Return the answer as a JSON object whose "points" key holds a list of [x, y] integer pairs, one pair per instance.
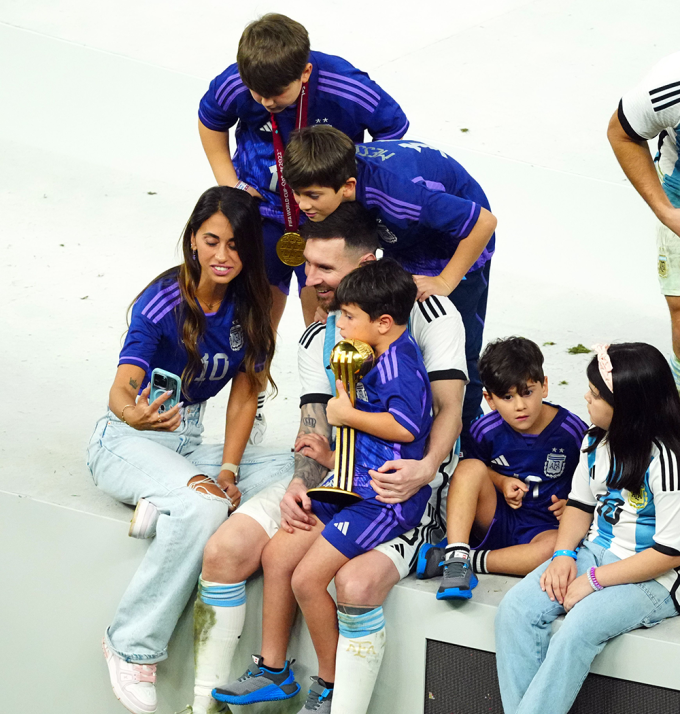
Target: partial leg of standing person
{"points": [[470, 299], [668, 269]]}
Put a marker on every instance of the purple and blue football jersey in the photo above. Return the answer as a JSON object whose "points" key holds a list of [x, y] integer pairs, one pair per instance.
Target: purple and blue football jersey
{"points": [[545, 461], [154, 340], [426, 203], [398, 384], [340, 95]]}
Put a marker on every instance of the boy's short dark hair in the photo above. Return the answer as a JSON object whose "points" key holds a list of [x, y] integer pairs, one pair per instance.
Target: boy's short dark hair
{"points": [[319, 156], [351, 222], [272, 52], [510, 362], [380, 287]]}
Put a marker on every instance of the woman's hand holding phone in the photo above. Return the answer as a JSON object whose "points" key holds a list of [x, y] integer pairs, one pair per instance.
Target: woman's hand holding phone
{"points": [[145, 416]]}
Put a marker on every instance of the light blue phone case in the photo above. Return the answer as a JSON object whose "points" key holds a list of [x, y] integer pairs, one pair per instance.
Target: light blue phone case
{"points": [[162, 381]]}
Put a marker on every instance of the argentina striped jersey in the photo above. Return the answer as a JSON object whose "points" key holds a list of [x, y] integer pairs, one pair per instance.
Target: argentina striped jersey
{"points": [[628, 523], [652, 109]]}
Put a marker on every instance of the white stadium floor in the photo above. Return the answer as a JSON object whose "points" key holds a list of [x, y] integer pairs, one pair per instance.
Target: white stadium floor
{"points": [[100, 165]]}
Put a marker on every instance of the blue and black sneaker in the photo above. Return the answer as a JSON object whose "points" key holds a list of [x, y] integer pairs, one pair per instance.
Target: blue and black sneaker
{"points": [[430, 559], [319, 698], [259, 684], [458, 580]]}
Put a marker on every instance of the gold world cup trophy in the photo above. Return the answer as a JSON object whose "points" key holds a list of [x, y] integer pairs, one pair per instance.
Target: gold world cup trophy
{"points": [[350, 361]]}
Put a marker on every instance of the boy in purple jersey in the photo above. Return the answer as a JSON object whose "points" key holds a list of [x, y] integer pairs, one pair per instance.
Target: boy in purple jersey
{"points": [[273, 64], [434, 219], [507, 496], [392, 418]]}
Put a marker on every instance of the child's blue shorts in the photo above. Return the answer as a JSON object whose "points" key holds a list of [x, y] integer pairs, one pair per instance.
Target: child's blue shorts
{"points": [[514, 527], [358, 528]]}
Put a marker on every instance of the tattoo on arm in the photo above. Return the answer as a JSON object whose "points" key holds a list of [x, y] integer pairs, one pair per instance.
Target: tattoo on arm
{"points": [[312, 421], [134, 383]]}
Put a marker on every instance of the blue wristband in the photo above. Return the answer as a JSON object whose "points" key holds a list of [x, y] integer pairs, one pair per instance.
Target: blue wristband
{"points": [[570, 553]]}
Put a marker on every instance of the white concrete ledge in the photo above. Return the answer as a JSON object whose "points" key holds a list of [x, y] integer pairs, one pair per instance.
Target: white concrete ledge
{"points": [[68, 569]]}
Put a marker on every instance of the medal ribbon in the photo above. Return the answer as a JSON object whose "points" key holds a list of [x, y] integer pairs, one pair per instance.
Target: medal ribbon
{"points": [[291, 212]]}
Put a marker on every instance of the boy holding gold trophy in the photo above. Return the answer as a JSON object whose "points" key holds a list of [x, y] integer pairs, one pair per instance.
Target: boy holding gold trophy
{"points": [[384, 416]]}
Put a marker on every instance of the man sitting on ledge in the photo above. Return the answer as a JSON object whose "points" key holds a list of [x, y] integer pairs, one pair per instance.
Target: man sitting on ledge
{"points": [[334, 248]]}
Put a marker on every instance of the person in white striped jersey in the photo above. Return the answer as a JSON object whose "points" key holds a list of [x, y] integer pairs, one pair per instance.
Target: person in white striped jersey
{"points": [[624, 507], [651, 110]]}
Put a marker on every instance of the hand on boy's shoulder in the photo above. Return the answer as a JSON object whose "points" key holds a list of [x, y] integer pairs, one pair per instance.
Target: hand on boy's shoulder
{"points": [[429, 285]]}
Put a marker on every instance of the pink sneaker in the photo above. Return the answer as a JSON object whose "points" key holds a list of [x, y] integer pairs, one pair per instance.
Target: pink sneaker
{"points": [[133, 684], [144, 519]]}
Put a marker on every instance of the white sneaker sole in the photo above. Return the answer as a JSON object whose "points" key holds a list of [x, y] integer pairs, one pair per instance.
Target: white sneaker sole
{"points": [[144, 519]]}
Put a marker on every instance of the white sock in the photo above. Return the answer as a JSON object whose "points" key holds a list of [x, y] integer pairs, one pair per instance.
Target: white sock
{"points": [[361, 646], [219, 614]]}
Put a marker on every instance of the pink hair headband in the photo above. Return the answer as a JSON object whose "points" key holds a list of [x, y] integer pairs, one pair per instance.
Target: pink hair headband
{"points": [[604, 364]]}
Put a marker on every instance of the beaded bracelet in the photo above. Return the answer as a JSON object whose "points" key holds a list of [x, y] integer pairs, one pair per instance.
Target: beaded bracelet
{"points": [[122, 414], [594, 584], [570, 553]]}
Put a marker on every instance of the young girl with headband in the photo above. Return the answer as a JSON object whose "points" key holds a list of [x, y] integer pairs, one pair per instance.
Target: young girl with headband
{"points": [[624, 509], [207, 320]]}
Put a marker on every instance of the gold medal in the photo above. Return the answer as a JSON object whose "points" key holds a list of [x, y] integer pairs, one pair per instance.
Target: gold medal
{"points": [[290, 249]]}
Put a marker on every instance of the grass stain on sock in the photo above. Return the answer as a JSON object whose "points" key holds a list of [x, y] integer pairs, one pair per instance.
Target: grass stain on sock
{"points": [[204, 620]]}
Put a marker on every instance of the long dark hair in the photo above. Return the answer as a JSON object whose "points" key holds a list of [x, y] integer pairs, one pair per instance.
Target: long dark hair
{"points": [[646, 410], [249, 290]]}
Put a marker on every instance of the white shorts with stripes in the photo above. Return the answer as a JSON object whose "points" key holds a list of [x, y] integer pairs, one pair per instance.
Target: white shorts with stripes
{"points": [[264, 508]]}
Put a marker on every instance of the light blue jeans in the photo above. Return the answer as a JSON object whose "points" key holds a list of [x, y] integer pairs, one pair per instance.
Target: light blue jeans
{"points": [[129, 465], [538, 673]]}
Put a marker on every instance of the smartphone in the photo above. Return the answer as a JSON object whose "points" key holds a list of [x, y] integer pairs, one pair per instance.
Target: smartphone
{"points": [[161, 382]]}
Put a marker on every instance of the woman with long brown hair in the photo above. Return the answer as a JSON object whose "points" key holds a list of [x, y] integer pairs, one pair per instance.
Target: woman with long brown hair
{"points": [[208, 321]]}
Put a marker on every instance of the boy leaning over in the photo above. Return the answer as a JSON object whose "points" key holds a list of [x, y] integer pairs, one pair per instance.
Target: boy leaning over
{"points": [[506, 498], [265, 88], [434, 220]]}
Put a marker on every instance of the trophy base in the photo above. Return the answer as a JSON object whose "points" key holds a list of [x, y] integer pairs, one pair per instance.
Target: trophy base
{"points": [[336, 496]]}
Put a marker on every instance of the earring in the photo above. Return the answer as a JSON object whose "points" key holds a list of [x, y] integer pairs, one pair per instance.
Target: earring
{"points": [[194, 255]]}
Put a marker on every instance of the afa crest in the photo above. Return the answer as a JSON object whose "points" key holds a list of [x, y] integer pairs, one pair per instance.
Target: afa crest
{"points": [[663, 266], [639, 501], [554, 465], [236, 337], [361, 392]]}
